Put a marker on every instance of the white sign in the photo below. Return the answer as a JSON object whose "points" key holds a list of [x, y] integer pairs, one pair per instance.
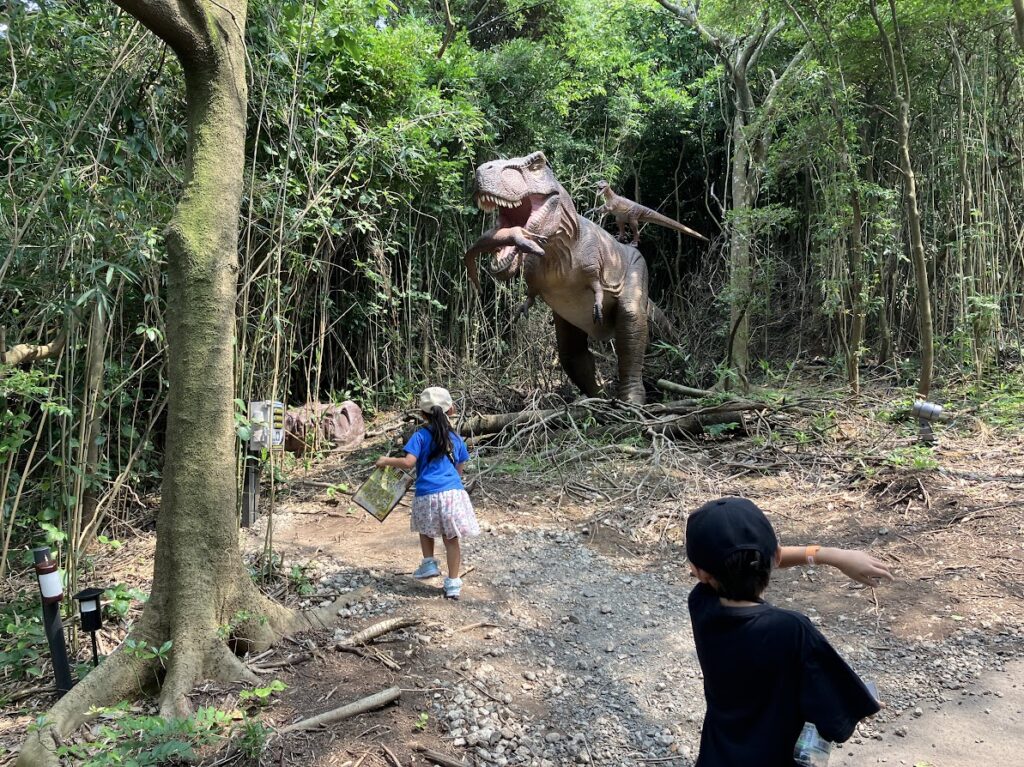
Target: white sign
{"points": [[267, 419]]}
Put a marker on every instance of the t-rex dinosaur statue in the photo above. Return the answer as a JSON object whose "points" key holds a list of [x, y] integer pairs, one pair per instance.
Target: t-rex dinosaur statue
{"points": [[596, 287], [626, 211]]}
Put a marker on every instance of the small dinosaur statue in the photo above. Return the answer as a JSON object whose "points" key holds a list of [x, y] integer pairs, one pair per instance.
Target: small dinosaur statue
{"points": [[627, 211], [596, 287]]}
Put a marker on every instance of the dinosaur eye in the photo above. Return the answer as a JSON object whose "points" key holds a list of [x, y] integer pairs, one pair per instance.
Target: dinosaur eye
{"points": [[537, 161]]}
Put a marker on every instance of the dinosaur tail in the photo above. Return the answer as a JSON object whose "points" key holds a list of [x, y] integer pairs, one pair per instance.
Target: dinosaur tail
{"points": [[661, 323], [653, 217]]}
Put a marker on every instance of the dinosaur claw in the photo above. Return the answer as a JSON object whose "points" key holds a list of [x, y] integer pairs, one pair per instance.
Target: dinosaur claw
{"points": [[598, 315]]}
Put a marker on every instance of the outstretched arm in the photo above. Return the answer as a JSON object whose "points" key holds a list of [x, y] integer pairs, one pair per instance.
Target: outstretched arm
{"points": [[857, 565], [406, 462]]}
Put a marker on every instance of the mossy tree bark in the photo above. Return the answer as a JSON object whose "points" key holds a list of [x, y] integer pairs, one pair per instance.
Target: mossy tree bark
{"points": [[199, 580]]}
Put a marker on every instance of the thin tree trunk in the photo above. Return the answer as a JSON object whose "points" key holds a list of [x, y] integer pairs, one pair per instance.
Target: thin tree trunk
{"points": [[739, 256], [92, 413], [1018, 16], [901, 91]]}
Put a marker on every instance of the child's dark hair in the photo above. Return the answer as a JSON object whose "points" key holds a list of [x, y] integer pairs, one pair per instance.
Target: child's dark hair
{"points": [[744, 576], [440, 433]]}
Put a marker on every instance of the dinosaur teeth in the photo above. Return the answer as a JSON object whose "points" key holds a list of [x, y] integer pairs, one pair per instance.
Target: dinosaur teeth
{"points": [[491, 201]]}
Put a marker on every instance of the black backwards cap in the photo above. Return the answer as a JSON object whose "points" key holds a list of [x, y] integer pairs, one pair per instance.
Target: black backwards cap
{"points": [[720, 528]]}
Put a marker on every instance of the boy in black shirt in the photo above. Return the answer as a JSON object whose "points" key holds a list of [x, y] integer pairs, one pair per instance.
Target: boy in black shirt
{"points": [[766, 670]]}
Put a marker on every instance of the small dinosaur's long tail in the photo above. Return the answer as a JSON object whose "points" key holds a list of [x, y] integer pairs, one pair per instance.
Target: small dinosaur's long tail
{"points": [[654, 217], [661, 323]]}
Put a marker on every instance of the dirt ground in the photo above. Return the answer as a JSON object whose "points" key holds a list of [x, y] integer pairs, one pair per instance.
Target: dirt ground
{"points": [[571, 644]]}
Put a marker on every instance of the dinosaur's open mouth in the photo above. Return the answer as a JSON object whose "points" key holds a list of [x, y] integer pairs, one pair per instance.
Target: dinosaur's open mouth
{"points": [[510, 212]]}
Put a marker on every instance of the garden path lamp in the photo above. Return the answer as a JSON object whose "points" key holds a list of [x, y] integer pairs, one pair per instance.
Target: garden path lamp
{"points": [[925, 413], [52, 591], [91, 616]]}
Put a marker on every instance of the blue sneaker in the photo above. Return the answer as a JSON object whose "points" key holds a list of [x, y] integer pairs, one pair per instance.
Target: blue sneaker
{"points": [[427, 569], [452, 588]]}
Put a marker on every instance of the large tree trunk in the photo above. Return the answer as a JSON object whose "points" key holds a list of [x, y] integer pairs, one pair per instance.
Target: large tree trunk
{"points": [[199, 581]]}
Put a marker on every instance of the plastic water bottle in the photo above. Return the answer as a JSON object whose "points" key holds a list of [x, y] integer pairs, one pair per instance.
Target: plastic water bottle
{"points": [[811, 749]]}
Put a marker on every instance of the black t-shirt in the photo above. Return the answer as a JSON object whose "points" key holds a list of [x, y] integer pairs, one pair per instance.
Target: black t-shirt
{"points": [[766, 672]]}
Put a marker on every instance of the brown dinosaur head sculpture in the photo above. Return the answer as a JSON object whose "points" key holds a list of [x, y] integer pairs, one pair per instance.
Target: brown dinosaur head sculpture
{"points": [[533, 210]]}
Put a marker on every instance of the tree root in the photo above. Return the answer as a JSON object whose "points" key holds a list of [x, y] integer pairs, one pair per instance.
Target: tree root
{"points": [[121, 677], [196, 654]]}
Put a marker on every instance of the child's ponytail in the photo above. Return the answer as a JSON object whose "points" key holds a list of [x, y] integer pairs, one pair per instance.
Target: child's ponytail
{"points": [[440, 432]]}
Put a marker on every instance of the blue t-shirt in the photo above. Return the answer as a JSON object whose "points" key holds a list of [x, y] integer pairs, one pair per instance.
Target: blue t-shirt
{"points": [[440, 474]]}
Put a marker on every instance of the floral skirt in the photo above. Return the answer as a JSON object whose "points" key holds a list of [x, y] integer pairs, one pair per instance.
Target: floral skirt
{"points": [[448, 514]]}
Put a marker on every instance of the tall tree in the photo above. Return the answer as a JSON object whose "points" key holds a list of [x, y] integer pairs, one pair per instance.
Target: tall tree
{"points": [[896, 63], [199, 579], [1018, 15], [751, 120]]}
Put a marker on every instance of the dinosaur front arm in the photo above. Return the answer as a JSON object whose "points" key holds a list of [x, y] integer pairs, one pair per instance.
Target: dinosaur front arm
{"points": [[496, 238]]}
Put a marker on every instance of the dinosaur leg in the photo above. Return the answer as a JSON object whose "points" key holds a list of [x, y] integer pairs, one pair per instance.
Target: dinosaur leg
{"points": [[634, 224], [598, 301], [575, 357], [631, 334], [620, 221]]}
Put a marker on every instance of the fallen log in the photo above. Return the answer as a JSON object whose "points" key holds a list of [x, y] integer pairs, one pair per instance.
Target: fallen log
{"points": [[369, 703]]}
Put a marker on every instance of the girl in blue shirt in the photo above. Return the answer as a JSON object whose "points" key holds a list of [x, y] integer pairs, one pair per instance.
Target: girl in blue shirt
{"points": [[441, 507]]}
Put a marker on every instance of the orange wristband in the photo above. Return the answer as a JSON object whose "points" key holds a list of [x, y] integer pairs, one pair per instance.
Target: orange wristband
{"points": [[810, 553]]}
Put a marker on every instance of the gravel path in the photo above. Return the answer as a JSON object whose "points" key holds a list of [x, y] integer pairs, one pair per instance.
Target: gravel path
{"points": [[590, 658]]}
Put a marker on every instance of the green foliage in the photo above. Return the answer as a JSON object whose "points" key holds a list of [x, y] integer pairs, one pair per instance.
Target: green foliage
{"points": [[253, 739], [421, 721], [118, 600], [125, 738], [999, 400], [917, 457], [239, 619], [718, 429], [139, 649], [300, 581], [23, 650], [260, 696]]}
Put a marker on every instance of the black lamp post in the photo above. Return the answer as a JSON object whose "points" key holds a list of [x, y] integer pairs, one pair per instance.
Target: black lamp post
{"points": [[91, 615], [52, 592]]}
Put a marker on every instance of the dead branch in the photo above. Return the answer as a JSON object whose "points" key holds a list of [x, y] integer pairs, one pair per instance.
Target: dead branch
{"points": [[438, 758], [295, 661], [369, 703], [391, 756], [669, 418], [377, 630], [371, 654], [686, 391]]}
